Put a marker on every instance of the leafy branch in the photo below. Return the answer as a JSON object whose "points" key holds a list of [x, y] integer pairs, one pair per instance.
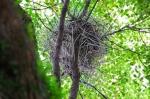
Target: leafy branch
{"points": [[132, 27]]}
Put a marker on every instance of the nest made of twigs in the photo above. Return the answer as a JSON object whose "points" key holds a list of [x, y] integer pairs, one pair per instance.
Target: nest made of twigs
{"points": [[88, 35]]}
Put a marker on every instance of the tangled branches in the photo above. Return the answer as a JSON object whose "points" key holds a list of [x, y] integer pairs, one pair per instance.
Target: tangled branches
{"points": [[89, 37], [78, 46]]}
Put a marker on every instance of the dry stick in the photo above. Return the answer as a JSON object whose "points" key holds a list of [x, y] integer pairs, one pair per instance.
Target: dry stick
{"points": [[56, 67]]}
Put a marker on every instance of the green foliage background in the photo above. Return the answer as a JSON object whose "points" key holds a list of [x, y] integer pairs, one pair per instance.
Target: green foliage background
{"points": [[125, 73]]}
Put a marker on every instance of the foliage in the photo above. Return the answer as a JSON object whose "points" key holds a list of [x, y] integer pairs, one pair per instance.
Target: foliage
{"points": [[124, 73]]}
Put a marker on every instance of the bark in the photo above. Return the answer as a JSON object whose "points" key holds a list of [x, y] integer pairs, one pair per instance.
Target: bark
{"points": [[59, 42], [75, 71], [18, 75]]}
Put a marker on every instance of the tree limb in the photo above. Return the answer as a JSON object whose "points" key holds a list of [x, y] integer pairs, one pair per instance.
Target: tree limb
{"points": [[75, 69], [128, 27], [131, 27], [56, 66]]}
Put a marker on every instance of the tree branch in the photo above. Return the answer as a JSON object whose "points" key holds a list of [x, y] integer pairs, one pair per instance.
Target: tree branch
{"points": [[128, 27], [91, 10], [56, 66], [45, 7], [74, 68], [44, 24], [90, 85]]}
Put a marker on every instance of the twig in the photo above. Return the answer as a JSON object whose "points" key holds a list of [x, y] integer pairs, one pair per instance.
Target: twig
{"points": [[130, 27], [46, 6], [88, 84], [36, 8], [124, 48], [91, 10], [43, 23]]}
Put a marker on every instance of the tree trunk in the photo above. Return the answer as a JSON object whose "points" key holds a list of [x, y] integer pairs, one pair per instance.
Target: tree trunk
{"points": [[75, 70], [18, 75]]}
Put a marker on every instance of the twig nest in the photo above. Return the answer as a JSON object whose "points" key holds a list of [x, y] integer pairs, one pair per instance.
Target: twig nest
{"points": [[90, 44]]}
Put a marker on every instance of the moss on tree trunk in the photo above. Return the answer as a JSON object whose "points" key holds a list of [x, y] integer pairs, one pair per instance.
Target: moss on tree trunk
{"points": [[18, 74]]}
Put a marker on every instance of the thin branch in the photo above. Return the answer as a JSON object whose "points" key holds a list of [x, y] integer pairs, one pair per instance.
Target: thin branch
{"points": [[59, 42], [91, 10], [144, 30], [36, 8], [90, 85], [142, 39], [46, 6], [131, 27], [128, 27], [44, 24], [114, 32], [50, 23], [127, 49], [141, 61]]}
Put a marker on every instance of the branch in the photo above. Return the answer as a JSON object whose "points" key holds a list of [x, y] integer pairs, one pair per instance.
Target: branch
{"points": [[59, 42], [74, 68], [92, 10], [144, 30], [88, 84], [45, 7], [36, 8], [44, 24], [127, 49], [131, 27], [84, 12], [128, 27], [114, 32]]}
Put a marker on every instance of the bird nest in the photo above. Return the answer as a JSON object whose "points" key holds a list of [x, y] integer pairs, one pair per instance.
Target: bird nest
{"points": [[88, 34]]}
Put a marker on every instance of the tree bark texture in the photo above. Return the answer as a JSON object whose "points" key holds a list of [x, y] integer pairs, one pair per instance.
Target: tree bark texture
{"points": [[75, 70], [59, 42], [18, 76]]}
